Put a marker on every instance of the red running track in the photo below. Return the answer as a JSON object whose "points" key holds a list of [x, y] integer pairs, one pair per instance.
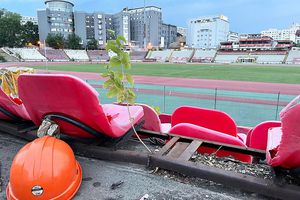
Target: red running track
{"points": [[289, 89]]}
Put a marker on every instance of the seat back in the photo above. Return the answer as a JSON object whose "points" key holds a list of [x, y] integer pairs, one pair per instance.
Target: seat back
{"points": [[151, 118], [258, 136], [288, 151], [211, 119], [66, 95]]}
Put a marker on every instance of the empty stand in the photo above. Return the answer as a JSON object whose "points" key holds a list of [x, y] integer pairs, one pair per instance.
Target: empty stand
{"points": [[27, 54], [98, 55], [204, 55], [293, 57], [138, 55], [160, 56], [54, 54], [181, 56], [9, 57], [77, 55]]}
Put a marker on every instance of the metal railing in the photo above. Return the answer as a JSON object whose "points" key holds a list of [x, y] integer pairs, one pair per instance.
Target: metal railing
{"points": [[246, 108]]}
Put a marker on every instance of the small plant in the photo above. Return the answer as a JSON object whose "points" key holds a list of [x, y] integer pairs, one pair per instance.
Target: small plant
{"points": [[119, 80]]}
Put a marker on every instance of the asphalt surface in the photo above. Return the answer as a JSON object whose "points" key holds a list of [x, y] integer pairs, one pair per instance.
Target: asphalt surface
{"points": [[133, 181]]}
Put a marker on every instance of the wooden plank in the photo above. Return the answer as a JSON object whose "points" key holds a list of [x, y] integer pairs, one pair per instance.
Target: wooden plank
{"points": [[190, 150], [169, 144], [228, 147], [177, 150]]}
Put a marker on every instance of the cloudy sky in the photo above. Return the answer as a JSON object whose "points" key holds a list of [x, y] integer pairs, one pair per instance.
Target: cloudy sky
{"points": [[246, 16]]}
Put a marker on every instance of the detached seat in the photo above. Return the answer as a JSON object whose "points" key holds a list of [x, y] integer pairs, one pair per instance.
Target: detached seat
{"points": [[200, 123], [211, 125], [75, 107], [283, 146]]}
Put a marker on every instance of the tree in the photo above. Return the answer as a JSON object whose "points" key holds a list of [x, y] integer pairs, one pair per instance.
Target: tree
{"points": [[29, 34], [10, 29], [73, 41], [92, 44], [55, 41]]}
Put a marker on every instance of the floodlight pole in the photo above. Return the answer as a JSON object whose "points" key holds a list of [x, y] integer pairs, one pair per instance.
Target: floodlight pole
{"points": [[145, 27], [45, 52]]}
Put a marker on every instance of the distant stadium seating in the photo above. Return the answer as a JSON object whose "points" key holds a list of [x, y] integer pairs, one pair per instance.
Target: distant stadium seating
{"points": [[293, 57], [54, 54], [204, 56], [269, 57], [27, 54], [229, 57], [160, 56], [183, 56], [77, 55], [98, 55], [261, 57], [138, 55], [9, 57]]}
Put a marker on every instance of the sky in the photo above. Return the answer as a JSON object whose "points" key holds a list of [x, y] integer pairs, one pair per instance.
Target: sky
{"points": [[245, 16]]}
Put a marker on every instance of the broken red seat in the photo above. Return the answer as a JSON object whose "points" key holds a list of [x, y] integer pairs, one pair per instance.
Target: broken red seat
{"points": [[283, 149], [155, 122], [12, 109], [199, 123], [257, 137], [202, 133], [75, 106], [211, 125]]}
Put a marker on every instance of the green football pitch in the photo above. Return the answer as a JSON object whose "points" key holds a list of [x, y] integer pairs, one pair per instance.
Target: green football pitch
{"points": [[254, 73]]}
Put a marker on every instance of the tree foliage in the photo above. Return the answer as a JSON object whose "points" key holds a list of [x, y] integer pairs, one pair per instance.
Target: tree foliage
{"points": [[117, 72], [92, 44], [13, 34], [55, 41], [29, 34], [73, 41], [10, 29]]}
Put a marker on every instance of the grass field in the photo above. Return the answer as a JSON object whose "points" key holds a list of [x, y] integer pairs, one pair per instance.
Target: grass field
{"points": [[273, 74]]}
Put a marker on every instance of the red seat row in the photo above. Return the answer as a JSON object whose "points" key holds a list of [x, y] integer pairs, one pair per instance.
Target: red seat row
{"points": [[75, 106]]}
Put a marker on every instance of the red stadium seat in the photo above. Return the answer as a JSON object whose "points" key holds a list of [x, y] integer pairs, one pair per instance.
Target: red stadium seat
{"points": [[210, 125], [199, 123], [67, 97], [258, 136], [283, 149], [199, 132], [211, 119]]}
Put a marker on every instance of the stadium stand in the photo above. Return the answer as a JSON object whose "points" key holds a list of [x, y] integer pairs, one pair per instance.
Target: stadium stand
{"points": [[138, 56], [293, 57], [230, 57], [54, 54], [98, 55], [77, 55], [269, 57], [160, 56], [183, 56], [27, 54], [204, 56], [9, 57]]}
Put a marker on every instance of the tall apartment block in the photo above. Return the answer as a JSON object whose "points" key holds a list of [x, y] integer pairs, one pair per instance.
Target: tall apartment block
{"points": [[207, 32], [56, 18], [140, 26]]}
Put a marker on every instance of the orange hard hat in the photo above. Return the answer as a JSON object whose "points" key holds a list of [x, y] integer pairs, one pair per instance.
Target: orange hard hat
{"points": [[44, 169]]}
